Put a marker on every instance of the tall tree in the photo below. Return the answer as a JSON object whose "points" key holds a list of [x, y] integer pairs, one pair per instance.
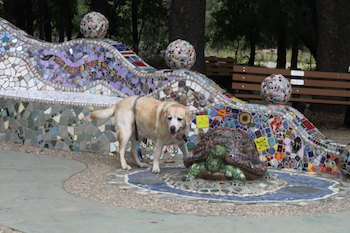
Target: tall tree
{"points": [[135, 29], [69, 20], [45, 30], [61, 20], [187, 22], [281, 48], [334, 39], [29, 17], [281, 18], [328, 35], [333, 35], [100, 6]]}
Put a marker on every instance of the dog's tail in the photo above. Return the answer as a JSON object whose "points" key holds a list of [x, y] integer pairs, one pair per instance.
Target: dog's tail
{"points": [[101, 114]]}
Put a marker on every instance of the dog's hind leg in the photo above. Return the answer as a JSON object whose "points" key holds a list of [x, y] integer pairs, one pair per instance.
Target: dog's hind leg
{"points": [[123, 138], [134, 148]]}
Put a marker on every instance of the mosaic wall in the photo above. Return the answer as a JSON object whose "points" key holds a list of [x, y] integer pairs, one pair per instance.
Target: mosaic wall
{"points": [[90, 69], [54, 126]]}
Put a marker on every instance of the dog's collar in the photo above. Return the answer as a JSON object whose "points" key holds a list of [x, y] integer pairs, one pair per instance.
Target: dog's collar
{"points": [[135, 102]]}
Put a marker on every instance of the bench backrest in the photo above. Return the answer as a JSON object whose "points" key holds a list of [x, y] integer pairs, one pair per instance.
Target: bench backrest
{"points": [[218, 67], [307, 86]]}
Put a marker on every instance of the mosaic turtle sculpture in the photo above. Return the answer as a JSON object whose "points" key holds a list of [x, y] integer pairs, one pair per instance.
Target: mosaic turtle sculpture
{"points": [[225, 154]]}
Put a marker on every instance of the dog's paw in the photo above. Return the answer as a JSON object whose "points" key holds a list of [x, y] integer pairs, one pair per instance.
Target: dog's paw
{"points": [[156, 170], [143, 165], [127, 168]]}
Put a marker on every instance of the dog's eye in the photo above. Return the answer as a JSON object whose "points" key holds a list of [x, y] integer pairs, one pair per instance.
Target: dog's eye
{"points": [[169, 118], [179, 119]]}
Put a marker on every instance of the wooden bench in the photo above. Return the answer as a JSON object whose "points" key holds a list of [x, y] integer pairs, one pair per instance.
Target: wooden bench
{"points": [[220, 70], [219, 67], [307, 86]]}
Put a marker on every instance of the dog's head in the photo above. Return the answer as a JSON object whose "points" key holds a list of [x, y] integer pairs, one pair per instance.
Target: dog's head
{"points": [[177, 118]]}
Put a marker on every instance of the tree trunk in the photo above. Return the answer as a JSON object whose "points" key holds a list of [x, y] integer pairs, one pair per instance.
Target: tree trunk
{"points": [[47, 23], [344, 36], [20, 20], [328, 35], [44, 21], [294, 59], [100, 6], [29, 17], [135, 32], [281, 48], [253, 39], [61, 22], [7, 9], [68, 23], [334, 39], [187, 22], [294, 65]]}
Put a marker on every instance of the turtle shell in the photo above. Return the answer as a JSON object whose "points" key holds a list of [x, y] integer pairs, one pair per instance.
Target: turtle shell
{"points": [[242, 152]]}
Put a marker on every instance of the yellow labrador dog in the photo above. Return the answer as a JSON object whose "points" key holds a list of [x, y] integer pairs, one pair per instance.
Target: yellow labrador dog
{"points": [[142, 117]]}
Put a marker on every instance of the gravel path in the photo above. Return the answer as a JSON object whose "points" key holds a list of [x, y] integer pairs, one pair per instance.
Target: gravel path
{"points": [[91, 183]]}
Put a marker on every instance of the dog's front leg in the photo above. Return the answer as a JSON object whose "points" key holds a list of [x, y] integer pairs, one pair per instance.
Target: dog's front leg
{"points": [[184, 149], [156, 156]]}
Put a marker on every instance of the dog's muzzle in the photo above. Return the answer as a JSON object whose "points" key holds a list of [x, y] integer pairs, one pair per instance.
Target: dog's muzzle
{"points": [[173, 130]]}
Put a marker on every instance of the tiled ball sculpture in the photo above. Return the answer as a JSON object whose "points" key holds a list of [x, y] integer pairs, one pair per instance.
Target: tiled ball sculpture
{"points": [[180, 54], [276, 89], [94, 25]]}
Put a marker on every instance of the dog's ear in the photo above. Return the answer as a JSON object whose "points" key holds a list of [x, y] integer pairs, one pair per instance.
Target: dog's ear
{"points": [[164, 114], [188, 119]]}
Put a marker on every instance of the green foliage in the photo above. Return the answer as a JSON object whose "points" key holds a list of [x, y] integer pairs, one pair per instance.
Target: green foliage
{"points": [[152, 27], [81, 9], [236, 24], [230, 25], [264, 57]]}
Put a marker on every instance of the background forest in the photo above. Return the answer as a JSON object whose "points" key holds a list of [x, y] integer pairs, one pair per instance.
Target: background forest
{"points": [[308, 34]]}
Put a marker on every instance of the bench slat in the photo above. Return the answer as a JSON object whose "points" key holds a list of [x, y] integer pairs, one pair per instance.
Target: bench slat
{"points": [[306, 100], [327, 75], [295, 90], [311, 74], [307, 81], [259, 70]]}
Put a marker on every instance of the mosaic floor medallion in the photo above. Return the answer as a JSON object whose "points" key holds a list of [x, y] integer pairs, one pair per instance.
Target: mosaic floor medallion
{"points": [[277, 186]]}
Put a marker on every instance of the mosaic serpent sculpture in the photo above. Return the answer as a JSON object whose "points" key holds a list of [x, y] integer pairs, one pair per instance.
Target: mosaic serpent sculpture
{"points": [[283, 136], [225, 154]]}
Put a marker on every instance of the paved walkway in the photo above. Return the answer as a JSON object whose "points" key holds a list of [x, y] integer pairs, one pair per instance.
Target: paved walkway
{"points": [[32, 199]]}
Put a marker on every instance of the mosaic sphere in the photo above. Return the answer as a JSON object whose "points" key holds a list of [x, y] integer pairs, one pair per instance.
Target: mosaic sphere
{"points": [[180, 54], [344, 164], [276, 89], [94, 25]]}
